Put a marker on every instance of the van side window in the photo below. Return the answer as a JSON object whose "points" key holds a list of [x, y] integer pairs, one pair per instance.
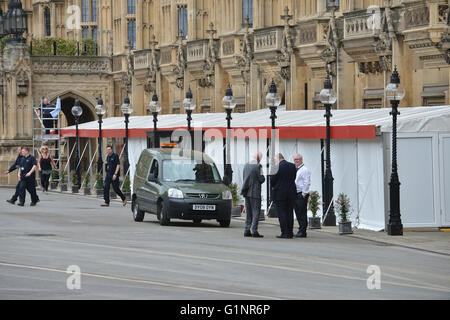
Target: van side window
{"points": [[154, 170], [142, 165]]}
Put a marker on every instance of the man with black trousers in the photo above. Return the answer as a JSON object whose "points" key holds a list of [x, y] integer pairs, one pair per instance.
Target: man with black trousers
{"points": [[251, 190], [27, 177], [284, 195], [302, 182], [112, 177], [11, 169]]}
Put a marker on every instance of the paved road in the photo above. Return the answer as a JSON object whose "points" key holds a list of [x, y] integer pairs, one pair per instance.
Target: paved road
{"points": [[122, 259]]}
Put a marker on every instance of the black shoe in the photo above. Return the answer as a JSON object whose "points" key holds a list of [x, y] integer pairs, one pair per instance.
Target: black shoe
{"points": [[10, 201], [20, 204], [291, 236], [257, 235], [37, 201], [33, 204], [283, 236], [247, 234], [301, 235]]}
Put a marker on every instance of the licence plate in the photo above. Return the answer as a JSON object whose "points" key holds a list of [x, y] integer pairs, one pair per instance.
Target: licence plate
{"points": [[204, 207]]}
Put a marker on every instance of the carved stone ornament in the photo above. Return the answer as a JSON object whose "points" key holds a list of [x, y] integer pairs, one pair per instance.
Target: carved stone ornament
{"points": [[180, 67], [329, 54], [287, 50], [22, 83], [152, 72], [245, 56], [447, 56], [211, 56]]}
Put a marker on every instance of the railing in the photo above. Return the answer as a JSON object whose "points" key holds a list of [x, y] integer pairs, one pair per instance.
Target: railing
{"points": [[228, 47], [197, 50], [268, 39], [63, 47], [71, 65], [424, 14], [360, 26], [141, 59]]}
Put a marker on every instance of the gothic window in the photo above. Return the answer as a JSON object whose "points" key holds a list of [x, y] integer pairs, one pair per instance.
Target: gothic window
{"points": [[182, 21], [85, 32], [132, 33], [131, 6], [247, 10], [84, 11], [336, 3], [94, 13], [94, 34], [47, 22]]}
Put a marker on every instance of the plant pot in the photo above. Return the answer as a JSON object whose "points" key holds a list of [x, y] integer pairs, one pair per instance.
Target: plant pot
{"points": [[99, 193], [345, 227], [112, 195], [63, 187], [87, 191], [75, 189], [262, 215], [235, 211], [314, 223], [53, 185], [127, 195]]}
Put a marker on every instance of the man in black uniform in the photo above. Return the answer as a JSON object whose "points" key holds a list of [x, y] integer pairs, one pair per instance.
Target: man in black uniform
{"points": [[11, 169], [27, 176], [112, 177]]}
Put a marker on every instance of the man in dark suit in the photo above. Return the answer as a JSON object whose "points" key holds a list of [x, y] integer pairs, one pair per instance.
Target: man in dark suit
{"points": [[251, 190], [15, 166], [284, 195]]}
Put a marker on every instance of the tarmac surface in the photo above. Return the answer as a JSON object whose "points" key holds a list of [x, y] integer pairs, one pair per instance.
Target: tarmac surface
{"points": [[122, 259]]}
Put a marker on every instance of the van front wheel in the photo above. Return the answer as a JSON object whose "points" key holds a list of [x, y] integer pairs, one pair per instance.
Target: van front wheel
{"points": [[138, 215], [225, 223], [163, 215]]}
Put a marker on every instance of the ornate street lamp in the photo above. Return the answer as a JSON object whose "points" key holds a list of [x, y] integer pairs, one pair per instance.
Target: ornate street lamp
{"points": [[395, 92], [229, 104], [189, 106], [15, 21], [126, 110], [100, 110], [154, 107], [328, 98], [273, 101], [77, 111]]}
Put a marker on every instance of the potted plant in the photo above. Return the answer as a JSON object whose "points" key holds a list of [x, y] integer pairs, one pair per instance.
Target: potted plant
{"points": [[343, 209], [313, 206], [126, 188], [235, 209], [54, 180], [86, 184], [75, 187], [99, 184], [62, 182]]}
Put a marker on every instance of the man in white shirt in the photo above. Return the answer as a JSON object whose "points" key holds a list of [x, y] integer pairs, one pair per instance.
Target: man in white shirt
{"points": [[302, 182]]}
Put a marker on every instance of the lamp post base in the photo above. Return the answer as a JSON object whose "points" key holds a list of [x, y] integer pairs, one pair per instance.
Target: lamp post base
{"points": [[395, 229]]}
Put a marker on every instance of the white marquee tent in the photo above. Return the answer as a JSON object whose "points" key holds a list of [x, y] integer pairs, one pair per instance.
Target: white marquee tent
{"points": [[360, 154]]}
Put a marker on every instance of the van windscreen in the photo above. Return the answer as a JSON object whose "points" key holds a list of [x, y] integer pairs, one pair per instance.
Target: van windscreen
{"points": [[177, 170]]}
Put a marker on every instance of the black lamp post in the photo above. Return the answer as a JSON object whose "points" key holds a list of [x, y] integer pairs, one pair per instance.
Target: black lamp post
{"points": [[100, 110], [15, 21], [328, 98], [189, 106], [126, 110], [77, 111], [229, 104], [273, 101], [154, 107], [395, 93]]}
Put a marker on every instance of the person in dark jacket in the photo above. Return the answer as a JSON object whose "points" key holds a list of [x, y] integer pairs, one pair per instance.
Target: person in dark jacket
{"points": [[284, 195], [11, 169], [112, 177], [27, 176], [251, 190], [48, 121]]}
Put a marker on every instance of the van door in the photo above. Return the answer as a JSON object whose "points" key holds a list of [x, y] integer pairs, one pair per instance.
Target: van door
{"points": [[140, 177], [151, 187]]}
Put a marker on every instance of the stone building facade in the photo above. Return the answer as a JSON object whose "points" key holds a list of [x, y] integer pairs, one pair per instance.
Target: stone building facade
{"points": [[170, 45]]}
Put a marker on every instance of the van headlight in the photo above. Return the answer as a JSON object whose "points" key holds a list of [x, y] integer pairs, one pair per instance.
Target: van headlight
{"points": [[226, 195], [175, 193]]}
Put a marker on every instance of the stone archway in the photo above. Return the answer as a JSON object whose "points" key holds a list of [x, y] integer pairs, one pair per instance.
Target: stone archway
{"points": [[68, 100]]}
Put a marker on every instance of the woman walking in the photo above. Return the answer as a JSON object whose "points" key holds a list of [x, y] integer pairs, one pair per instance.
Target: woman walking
{"points": [[45, 167]]}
